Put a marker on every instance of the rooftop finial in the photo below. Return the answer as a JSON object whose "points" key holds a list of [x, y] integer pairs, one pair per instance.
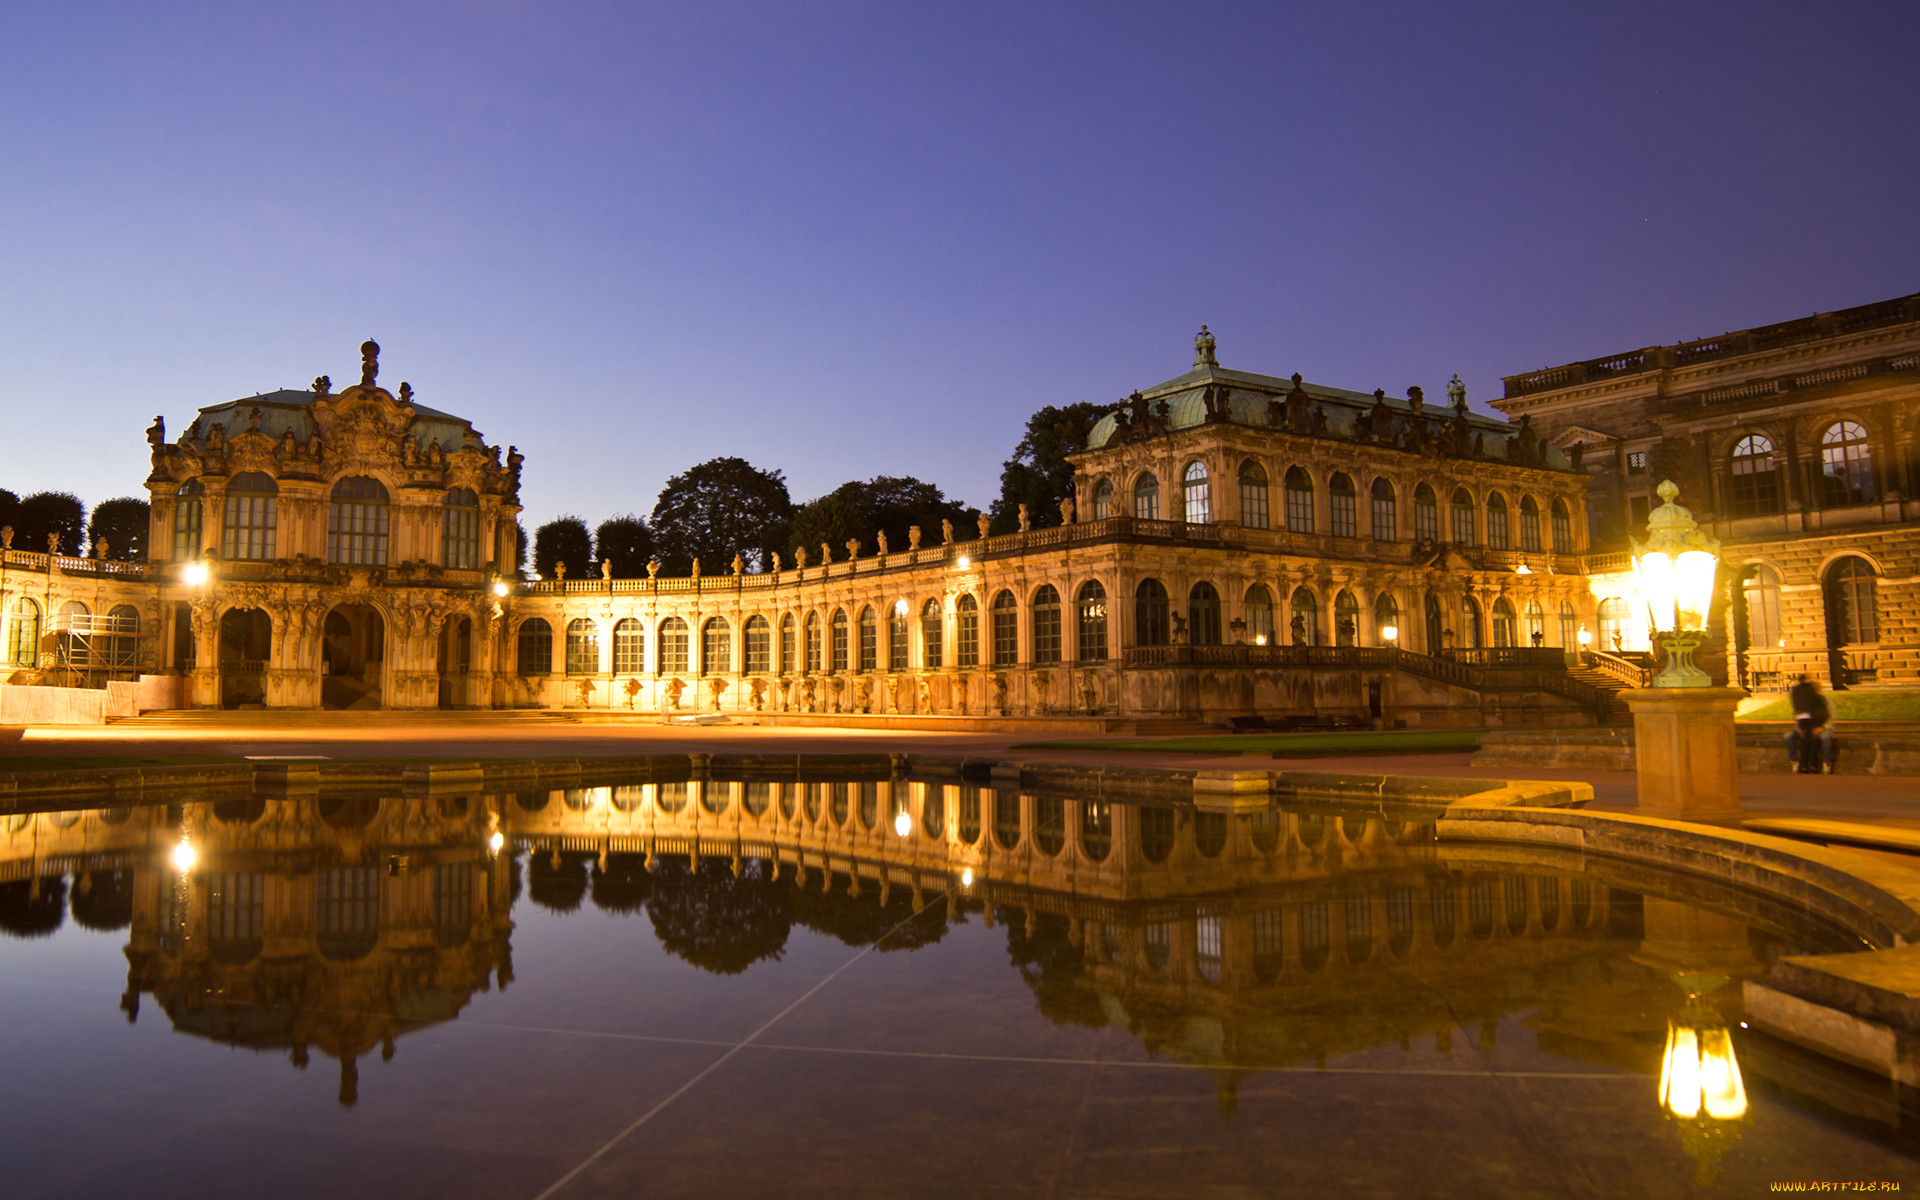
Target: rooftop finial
{"points": [[1457, 392], [1203, 345], [369, 362]]}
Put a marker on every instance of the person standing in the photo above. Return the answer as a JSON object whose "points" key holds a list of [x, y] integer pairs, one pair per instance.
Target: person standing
{"points": [[1811, 716]]}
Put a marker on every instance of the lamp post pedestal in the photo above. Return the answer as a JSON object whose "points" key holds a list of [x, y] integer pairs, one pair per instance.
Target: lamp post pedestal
{"points": [[1683, 751]]}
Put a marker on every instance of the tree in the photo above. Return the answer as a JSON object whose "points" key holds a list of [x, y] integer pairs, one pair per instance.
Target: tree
{"points": [[892, 504], [723, 507], [562, 540], [627, 543], [50, 512], [830, 520], [9, 507], [123, 523], [519, 546], [1039, 475]]}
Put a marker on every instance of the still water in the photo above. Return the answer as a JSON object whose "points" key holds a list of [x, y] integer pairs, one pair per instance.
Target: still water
{"points": [[883, 987]]}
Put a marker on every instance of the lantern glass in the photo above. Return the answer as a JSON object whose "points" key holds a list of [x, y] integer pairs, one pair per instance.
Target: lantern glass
{"points": [[1693, 574], [1654, 571]]}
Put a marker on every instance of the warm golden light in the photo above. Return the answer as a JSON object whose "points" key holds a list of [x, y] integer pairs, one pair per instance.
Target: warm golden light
{"points": [[903, 824], [185, 856], [1390, 632], [1523, 568], [900, 607], [965, 562], [496, 841], [1586, 636], [500, 588], [1699, 1071], [195, 574], [966, 877], [1259, 639]]}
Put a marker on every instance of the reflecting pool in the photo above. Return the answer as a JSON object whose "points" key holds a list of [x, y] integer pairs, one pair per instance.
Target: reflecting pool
{"points": [[882, 986]]}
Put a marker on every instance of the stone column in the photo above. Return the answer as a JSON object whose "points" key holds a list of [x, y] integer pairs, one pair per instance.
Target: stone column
{"points": [[1684, 754]]}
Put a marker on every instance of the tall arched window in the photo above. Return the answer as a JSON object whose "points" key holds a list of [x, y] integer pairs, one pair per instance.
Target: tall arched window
{"points": [[672, 646], [1259, 605], [1562, 529], [1569, 626], [1756, 477], [1103, 500], [1496, 522], [839, 643], [23, 634], [1613, 624], [966, 631], [1090, 605], [869, 640], [816, 645], [1760, 595], [1386, 515], [1146, 498], [1150, 608], [1502, 623], [1046, 625], [122, 642], [187, 521], [1346, 619], [1253, 495], [1853, 611], [357, 522], [716, 647], [1529, 525], [1470, 634], [460, 531], [583, 647], [932, 634], [1846, 464], [252, 517], [1426, 515], [1203, 614], [1194, 485], [897, 637], [1006, 630], [1386, 615], [1535, 631], [1462, 517], [1299, 501], [789, 645], [534, 647], [629, 647], [70, 649], [759, 646], [1303, 624], [1346, 520]]}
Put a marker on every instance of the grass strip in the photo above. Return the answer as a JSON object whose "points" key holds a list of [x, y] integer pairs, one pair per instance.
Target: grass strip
{"points": [[1848, 706]]}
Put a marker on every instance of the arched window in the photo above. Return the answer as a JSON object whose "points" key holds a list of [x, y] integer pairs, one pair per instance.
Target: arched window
{"points": [[839, 643], [1613, 624], [931, 634], [122, 641], [1760, 595], [1529, 525], [1569, 626], [187, 522], [1103, 500], [1386, 518], [1386, 615], [672, 645], [1462, 518], [1303, 625], [1253, 495], [1194, 485], [629, 647], [1006, 630], [1146, 498], [72, 650], [869, 640], [1496, 522], [357, 522], [583, 647], [1203, 615], [1046, 625], [1346, 518], [535, 647], [716, 647], [23, 634], [1091, 606], [1259, 605], [1470, 634], [759, 646], [1502, 623], [1426, 515], [1150, 608], [1299, 488], [1536, 624], [252, 517], [1562, 529], [897, 637], [789, 642], [460, 531], [1846, 465], [1346, 619], [1853, 612], [1756, 477], [816, 645], [966, 632]]}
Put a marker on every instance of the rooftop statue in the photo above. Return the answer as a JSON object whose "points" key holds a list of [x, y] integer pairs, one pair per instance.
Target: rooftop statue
{"points": [[1380, 419], [1457, 393], [322, 385], [369, 362], [253, 418], [406, 392], [157, 433], [1203, 349]]}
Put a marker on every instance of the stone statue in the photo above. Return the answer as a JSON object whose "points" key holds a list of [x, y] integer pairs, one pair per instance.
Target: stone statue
{"points": [[436, 454], [409, 452], [217, 438], [1203, 349], [1089, 692], [6, 537], [653, 568], [606, 568], [1066, 511], [800, 557], [99, 547], [983, 521], [157, 433], [1299, 414], [559, 570], [287, 445], [1025, 524], [1457, 393], [369, 362], [696, 569], [1298, 627], [1000, 693], [1137, 405], [53, 543], [924, 696], [1179, 636], [775, 556], [322, 386], [739, 565], [853, 549], [826, 554], [253, 419], [675, 689], [1576, 455], [1416, 399], [313, 445], [946, 531], [913, 537], [406, 393], [1529, 440], [1380, 419], [881, 538]]}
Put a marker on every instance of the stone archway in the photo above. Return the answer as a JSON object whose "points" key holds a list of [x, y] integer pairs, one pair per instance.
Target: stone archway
{"points": [[353, 654], [242, 651], [455, 663]]}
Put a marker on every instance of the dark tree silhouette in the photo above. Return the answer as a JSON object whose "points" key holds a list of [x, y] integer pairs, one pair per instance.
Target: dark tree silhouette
{"points": [[103, 901], [1052, 966], [892, 504], [623, 885], [715, 921], [1039, 475], [562, 540], [557, 879], [49, 512], [9, 507], [123, 522], [828, 521], [723, 507], [26, 915], [626, 542]]}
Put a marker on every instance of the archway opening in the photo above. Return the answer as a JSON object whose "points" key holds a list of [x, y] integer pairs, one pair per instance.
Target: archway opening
{"points": [[353, 652], [246, 643], [455, 661]]}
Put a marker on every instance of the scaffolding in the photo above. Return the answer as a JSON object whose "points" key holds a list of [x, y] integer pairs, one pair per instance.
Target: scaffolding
{"points": [[90, 650]]}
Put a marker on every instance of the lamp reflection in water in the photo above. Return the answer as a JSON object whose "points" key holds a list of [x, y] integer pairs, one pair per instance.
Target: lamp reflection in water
{"points": [[1701, 1091], [184, 857]]}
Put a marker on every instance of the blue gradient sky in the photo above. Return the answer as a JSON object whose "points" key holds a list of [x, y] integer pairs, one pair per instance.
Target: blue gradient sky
{"points": [[851, 239]]}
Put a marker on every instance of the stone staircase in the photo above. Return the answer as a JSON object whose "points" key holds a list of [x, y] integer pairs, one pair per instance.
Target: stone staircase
{"points": [[1617, 712]]}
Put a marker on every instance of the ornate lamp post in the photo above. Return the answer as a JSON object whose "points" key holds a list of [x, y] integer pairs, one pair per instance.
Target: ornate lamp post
{"points": [[1683, 725]]}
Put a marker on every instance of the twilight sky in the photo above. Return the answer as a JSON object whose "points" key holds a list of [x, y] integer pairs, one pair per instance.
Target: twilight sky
{"points": [[845, 240]]}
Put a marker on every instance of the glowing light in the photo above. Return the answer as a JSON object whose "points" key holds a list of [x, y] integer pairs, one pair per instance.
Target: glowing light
{"points": [[500, 588], [1698, 1071], [966, 877], [195, 574], [965, 562], [496, 841], [1259, 639], [900, 607], [1390, 632], [1586, 636], [185, 856], [903, 824], [1523, 568]]}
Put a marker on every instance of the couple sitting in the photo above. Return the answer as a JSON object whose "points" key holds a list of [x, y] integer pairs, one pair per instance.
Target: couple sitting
{"points": [[1810, 743]]}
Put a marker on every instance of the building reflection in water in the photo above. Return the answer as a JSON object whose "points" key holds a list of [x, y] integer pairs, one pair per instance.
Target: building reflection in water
{"points": [[1233, 942]]}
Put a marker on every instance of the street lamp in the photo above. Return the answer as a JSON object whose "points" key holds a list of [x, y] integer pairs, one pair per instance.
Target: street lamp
{"points": [[1675, 570], [1391, 633], [194, 574]]}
